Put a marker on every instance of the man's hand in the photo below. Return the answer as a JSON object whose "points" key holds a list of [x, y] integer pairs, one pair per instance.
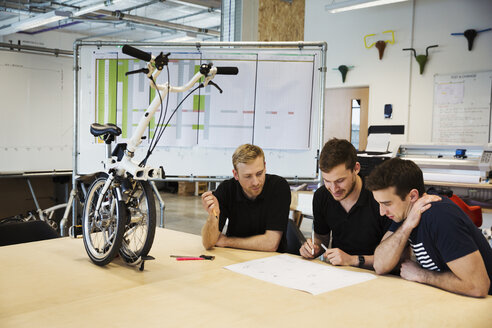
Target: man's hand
{"points": [[221, 242], [336, 256], [210, 203], [306, 249], [210, 230], [420, 206], [411, 271]]}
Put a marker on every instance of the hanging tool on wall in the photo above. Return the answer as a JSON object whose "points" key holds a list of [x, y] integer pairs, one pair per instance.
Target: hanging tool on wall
{"points": [[421, 59], [343, 70], [380, 44], [470, 36]]}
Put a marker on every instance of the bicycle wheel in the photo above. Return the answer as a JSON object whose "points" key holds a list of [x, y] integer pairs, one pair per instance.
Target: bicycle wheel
{"points": [[102, 229], [141, 220]]}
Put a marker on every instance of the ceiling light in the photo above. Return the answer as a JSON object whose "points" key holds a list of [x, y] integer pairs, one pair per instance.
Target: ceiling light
{"points": [[188, 4], [357, 4], [92, 8], [39, 20]]}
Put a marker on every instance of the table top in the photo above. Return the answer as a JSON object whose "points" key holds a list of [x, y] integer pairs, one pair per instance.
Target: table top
{"points": [[52, 283]]}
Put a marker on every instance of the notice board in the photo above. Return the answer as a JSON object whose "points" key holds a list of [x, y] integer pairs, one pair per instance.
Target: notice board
{"points": [[274, 102], [462, 108]]}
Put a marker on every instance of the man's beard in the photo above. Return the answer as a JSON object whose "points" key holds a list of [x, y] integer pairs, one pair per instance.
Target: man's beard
{"points": [[350, 190]]}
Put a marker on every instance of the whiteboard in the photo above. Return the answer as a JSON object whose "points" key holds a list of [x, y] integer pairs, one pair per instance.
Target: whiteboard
{"points": [[36, 112], [274, 102], [462, 108]]}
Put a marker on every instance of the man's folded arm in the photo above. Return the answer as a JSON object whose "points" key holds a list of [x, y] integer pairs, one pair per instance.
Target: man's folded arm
{"points": [[267, 242], [210, 232]]}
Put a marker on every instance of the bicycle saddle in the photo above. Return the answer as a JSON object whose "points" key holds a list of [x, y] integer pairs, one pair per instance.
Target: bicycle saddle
{"points": [[101, 129]]}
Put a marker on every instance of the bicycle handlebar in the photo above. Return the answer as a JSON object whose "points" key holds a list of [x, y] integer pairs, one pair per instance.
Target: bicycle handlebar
{"points": [[155, 65], [227, 70], [136, 53], [145, 56]]}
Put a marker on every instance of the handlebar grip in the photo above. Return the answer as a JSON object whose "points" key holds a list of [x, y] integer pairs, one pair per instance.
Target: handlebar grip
{"points": [[227, 70], [136, 53]]}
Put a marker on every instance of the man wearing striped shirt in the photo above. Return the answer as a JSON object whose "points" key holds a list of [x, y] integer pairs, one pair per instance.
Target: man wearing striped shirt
{"points": [[450, 252]]}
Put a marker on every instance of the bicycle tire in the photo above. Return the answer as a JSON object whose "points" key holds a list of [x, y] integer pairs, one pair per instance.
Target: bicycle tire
{"points": [[141, 220], [103, 233]]}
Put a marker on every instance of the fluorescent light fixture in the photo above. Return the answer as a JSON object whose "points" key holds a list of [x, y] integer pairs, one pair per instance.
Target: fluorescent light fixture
{"points": [[39, 20], [357, 4], [189, 4], [95, 7]]}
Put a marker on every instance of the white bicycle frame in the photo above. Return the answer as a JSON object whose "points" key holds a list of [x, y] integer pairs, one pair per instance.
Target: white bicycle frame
{"points": [[127, 165]]}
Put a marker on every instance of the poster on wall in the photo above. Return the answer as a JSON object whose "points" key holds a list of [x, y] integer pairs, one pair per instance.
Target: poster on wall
{"points": [[462, 108]]}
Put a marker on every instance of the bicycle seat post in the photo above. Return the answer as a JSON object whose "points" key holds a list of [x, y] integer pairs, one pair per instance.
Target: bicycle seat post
{"points": [[108, 139], [108, 149], [106, 132]]}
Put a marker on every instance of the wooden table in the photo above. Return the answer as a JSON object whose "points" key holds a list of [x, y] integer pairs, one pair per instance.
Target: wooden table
{"points": [[52, 283]]}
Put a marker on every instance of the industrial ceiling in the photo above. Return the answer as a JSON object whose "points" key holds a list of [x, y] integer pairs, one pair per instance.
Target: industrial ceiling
{"points": [[131, 20]]}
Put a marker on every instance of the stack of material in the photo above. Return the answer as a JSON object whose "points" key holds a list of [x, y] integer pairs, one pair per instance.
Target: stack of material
{"points": [[189, 188], [186, 188]]}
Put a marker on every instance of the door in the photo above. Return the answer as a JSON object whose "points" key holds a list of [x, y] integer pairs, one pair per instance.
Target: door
{"points": [[346, 115]]}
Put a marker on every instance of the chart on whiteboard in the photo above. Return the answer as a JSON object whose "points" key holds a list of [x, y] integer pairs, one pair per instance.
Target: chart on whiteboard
{"points": [[462, 108], [252, 108]]}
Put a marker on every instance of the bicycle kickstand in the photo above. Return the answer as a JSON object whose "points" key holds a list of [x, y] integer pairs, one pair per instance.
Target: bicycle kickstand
{"points": [[145, 258]]}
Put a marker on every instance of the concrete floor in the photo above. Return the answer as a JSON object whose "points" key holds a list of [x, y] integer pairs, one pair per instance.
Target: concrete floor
{"points": [[185, 213], [182, 213]]}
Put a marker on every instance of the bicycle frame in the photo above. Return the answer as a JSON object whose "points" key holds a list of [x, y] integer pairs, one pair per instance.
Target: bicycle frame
{"points": [[127, 165]]}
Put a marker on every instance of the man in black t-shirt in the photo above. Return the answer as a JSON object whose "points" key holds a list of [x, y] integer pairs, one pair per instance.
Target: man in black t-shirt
{"points": [[256, 205], [344, 208], [450, 252]]}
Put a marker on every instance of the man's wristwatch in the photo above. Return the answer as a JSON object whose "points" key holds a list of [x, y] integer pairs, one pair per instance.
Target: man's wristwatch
{"points": [[362, 260]]}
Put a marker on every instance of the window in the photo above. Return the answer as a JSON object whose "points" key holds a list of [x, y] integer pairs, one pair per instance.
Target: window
{"points": [[355, 123]]}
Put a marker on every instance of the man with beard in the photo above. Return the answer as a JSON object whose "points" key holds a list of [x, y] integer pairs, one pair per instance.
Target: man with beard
{"points": [[344, 209], [257, 206]]}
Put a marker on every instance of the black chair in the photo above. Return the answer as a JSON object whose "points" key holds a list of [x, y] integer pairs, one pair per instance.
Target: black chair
{"points": [[23, 232], [294, 237]]}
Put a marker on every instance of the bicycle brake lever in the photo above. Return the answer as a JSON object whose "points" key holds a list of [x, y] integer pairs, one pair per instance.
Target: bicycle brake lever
{"points": [[161, 60], [142, 70], [215, 85]]}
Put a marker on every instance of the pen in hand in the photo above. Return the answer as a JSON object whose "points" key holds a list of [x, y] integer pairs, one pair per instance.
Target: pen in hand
{"points": [[325, 248], [312, 240]]}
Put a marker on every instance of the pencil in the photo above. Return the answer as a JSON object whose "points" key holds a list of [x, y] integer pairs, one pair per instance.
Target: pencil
{"points": [[312, 238]]}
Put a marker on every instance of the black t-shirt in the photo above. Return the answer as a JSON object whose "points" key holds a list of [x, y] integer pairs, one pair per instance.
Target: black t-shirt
{"points": [[357, 232], [269, 211], [445, 233]]}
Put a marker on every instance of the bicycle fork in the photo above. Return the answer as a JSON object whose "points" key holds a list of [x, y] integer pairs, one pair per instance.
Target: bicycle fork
{"points": [[107, 184]]}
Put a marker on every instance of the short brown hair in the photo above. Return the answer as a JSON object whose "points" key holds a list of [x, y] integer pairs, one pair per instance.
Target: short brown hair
{"points": [[402, 174], [336, 152], [246, 153]]}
